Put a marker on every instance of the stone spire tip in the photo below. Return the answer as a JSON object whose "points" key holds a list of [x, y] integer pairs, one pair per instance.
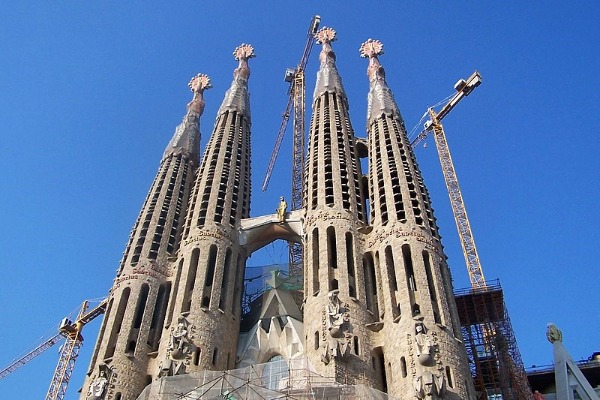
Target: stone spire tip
{"points": [[371, 49], [198, 84], [325, 35], [243, 53]]}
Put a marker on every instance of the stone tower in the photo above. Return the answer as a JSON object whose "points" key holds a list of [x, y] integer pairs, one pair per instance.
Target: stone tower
{"points": [[376, 309], [131, 330], [335, 213], [419, 341], [206, 303]]}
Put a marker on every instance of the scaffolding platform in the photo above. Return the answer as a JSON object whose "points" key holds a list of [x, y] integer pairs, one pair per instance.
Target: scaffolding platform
{"points": [[494, 357]]}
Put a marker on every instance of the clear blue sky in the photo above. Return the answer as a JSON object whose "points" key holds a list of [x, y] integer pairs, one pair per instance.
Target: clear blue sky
{"points": [[90, 94]]}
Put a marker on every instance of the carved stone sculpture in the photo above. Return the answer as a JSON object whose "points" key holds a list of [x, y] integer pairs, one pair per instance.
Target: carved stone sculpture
{"points": [[179, 350], [338, 328], [553, 333], [98, 387], [429, 386], [425, 349]]}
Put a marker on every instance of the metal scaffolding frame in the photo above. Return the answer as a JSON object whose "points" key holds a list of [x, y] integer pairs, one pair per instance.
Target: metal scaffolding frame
{"points": [[494, 357]]}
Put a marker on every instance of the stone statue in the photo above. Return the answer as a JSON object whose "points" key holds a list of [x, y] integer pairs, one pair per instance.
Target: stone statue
{"points": [[281, 209], [429, 386], [424, 345], [180, 345], [338, 328], [553, 333], [98, 387]]}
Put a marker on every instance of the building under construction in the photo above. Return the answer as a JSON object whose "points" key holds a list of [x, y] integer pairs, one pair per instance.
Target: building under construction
{"points": [[367, 308], [491, 345]]}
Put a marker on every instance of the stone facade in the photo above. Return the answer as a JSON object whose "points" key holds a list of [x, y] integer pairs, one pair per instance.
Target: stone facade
{"points": [[378, 308]]}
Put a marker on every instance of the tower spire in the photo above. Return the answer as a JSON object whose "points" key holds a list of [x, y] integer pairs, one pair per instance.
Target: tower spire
{"points": [[380, 98], [186, 138], [328, 78], [237, 97]]}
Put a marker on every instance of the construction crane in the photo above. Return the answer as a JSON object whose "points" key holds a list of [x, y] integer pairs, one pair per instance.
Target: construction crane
{"points": [[463, 89], [71, 332], [296, 101]]}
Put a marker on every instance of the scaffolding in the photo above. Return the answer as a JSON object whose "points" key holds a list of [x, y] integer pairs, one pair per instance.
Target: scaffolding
{"points": [[281, 379], [494, 357]]}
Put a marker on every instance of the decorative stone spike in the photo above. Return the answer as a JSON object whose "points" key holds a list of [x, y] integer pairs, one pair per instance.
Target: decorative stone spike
{"points": [[244, 51]]}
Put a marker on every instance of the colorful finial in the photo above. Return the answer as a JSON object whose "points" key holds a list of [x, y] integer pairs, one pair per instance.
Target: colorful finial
{"points": [[243, 52], [325, 35], [199, 83], [371, 48]]}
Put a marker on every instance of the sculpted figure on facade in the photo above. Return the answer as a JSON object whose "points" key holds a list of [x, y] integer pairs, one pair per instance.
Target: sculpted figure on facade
{"points": [[179, 350], [338, 328], [281, 209], [425, 348], [99, 386], [430, 386]]}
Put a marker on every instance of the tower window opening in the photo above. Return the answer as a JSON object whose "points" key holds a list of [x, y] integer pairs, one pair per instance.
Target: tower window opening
{"points": [[432, 291], [116, 329], [331, 248], [317, 344], [370, 285], [403, 367], [449, 377], [190, 281], [210, 275], [315, 262], [356, 346], [214, 356], [350, 263]]}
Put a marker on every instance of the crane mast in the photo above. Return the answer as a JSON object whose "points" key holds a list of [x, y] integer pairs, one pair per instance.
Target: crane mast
{"points": [[463, 88], [296, 100]]}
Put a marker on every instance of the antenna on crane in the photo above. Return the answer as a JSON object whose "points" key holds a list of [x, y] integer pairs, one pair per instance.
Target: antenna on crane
{"points": [[296, 100], [463, 88]]}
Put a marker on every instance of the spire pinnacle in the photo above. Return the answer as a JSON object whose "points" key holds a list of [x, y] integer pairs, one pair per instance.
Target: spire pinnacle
{"points": [[371, 49], [198, 85], [380, 100], [237, 97], [325, 36], [187, 134], [242, 53]]}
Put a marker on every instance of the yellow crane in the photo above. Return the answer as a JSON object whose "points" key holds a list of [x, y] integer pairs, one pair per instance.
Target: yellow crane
{"points": [[71, 332], [463, 88], [296, 101]]}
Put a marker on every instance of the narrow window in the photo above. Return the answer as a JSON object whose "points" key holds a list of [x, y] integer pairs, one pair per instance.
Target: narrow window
{"points": [[449, 377], [190, 281], [226, 281], [210, 275], [117, 321], [214, 357], [410, 279], [140, 306], [317, 340], [315, 262], [432, 291], [331, 248], [350, 262], [196, 357], [379, 366], [158, 316], [370, 285], [356, 348], [403, 367]]}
